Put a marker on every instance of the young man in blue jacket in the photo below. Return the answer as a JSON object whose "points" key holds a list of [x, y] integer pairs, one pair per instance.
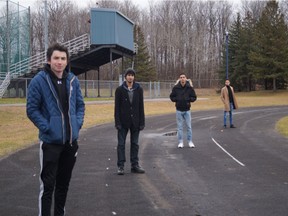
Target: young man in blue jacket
{"points": [[183, 94], [55, 105], [129, 116]]}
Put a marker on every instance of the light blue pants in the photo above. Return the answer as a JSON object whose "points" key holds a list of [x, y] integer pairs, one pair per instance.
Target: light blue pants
{"points": [[230, 115], [184, 116]]}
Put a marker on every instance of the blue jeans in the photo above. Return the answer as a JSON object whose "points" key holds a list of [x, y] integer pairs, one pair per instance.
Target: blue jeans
{"points": [[134, 147], [230, 115], [184, 116]]}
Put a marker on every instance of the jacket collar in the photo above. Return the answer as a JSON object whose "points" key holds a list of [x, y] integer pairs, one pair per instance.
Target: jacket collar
{"points": [[48, 70], [134, 86]]}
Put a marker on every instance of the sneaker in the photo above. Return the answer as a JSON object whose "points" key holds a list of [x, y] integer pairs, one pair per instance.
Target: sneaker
{"points": [[137, 169], [120, 171], [232, 126], [180, 145], [191, 144]]}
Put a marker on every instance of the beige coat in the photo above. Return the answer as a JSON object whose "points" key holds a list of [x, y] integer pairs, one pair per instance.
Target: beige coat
{"points": [[225, 98]]}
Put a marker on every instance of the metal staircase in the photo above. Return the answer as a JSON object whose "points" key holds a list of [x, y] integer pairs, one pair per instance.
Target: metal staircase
{"points": [[34, 63], [4, 84]]}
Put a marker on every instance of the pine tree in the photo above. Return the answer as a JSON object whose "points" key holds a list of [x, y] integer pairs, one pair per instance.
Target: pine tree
{"points": [[233, 53], [269, 58], [245, 46], [142, 62], [233, 49]]}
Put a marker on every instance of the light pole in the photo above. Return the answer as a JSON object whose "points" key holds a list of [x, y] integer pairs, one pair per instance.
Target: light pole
{"points": [[226, 54], [45, 25]]}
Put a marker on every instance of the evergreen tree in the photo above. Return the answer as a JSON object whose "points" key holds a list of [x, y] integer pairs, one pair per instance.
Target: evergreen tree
{"points": [[269, 57], [233, 53], [142, 62], [245, 45], [233, 49]]}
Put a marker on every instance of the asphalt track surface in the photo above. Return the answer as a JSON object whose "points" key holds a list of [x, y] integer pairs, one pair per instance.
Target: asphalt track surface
{"points": [[231, 172]]}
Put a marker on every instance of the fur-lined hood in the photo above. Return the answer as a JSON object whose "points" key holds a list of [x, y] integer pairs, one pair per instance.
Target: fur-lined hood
{"points": [[188, 80]]}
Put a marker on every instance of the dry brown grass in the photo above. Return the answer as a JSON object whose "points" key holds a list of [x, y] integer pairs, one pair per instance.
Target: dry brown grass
{"points": [[282, 126], [17, 132]]}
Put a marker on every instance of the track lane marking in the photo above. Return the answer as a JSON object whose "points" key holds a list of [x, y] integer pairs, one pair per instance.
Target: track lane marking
{"points": [[227, 152]]}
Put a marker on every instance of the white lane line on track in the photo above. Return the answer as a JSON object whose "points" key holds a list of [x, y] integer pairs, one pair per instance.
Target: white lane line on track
{"points": [[227, 152], [208, 117]]}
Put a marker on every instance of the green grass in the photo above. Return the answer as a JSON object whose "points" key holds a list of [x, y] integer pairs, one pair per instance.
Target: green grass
{"points": [[17, 131]]}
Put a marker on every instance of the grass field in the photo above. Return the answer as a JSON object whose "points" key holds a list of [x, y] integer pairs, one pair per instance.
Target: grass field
{"points": [[17, 132]]}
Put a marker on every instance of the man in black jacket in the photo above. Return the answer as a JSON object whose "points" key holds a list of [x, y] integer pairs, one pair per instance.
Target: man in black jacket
{"points": [[183, 94], [129, 116]]}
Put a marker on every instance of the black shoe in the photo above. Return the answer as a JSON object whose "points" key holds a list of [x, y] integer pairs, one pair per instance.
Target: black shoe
{"points": [[120, 171], [232, 126], [137, 169], [224, 126]]}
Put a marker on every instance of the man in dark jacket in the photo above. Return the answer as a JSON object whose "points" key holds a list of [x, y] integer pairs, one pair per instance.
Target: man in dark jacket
{"points": [[183, 94], [55, 105], [129, 116]]}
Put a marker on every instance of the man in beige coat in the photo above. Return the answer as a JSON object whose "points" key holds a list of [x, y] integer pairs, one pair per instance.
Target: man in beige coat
{"points": [[229, 100]]}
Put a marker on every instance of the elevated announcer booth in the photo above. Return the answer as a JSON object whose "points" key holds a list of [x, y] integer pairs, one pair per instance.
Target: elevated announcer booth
{"points": [[110, 27], [111, 38]]}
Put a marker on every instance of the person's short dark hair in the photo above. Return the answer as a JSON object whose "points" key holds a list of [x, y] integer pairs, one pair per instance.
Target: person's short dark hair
{"points": [[129, 71], [180, 74], [57, 47]]}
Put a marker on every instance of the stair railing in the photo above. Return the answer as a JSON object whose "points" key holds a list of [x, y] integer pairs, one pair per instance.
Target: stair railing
{"points": [[36, 62]]}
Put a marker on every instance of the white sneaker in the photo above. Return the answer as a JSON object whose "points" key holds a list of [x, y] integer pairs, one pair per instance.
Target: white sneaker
{"points": [[180, 145], [191, 144]]}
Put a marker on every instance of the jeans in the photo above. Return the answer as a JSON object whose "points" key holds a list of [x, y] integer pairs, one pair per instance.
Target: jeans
{"points": [[134, 147], [184, 116], [230, 115]]}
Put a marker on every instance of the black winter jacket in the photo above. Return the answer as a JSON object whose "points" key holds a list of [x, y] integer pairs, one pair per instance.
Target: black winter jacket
{"points": [[129, 115], [183, 96]]}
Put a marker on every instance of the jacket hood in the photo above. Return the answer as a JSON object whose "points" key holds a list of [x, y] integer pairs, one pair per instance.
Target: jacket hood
{"points": [[188, 81], [134, 87], [47, 69]]}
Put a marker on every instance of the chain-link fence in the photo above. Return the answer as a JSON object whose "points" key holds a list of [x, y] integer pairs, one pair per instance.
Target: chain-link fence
{"points": [[92, 88], [14, 34], [100, 88]]}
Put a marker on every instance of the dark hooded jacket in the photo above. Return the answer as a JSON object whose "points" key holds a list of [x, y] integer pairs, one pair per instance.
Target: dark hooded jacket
{"points": [[183, 96], [129, 114]]}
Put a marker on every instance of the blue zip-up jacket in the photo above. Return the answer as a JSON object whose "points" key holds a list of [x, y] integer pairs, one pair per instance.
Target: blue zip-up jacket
{"points": [[44, 109]]}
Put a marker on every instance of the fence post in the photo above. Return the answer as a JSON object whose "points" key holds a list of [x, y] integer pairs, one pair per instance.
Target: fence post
{"points": [[150, 86]]}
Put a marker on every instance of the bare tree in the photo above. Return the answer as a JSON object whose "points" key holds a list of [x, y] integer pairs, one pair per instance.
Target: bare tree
{"points": [[181, 36], [65, 22], [187, 36]]}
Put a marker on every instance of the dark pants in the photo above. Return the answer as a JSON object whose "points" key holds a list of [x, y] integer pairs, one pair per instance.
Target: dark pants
{"points": [[134, 147], [57, 162]]}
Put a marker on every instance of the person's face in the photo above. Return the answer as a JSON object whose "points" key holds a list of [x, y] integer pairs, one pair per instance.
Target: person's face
{"points": [[183, 79], [130, 78], [58, 61], [227, 82]]}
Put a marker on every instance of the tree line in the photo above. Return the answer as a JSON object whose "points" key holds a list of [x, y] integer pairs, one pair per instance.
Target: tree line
{"points": [[186, 36], [258, 49]]}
